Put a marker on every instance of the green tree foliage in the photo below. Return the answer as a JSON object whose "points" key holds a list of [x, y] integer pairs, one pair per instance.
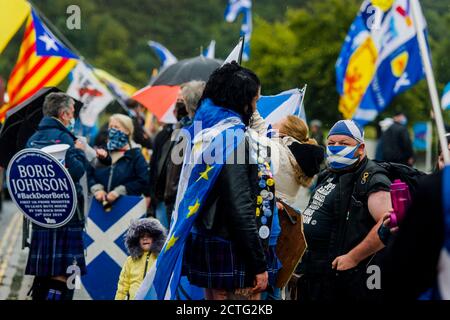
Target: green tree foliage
{"points": [[294, 42], [304, 46]]}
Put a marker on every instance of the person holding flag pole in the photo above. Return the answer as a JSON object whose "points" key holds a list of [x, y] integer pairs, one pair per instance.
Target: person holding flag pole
{"points": [[426, 60], [421, 250]]}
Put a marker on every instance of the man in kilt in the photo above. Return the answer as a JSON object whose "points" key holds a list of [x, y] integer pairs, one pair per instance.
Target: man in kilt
{"points": [[53, 251]]}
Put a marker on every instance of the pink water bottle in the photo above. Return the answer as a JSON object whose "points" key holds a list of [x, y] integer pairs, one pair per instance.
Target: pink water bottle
{"points": [[401, 200]]}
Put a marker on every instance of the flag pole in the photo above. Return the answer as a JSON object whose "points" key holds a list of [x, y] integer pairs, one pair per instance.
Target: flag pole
{"points": [[242, 49], [426, 61]]}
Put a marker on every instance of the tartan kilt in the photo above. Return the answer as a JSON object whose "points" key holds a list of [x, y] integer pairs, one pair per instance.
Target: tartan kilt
{"points": [[52, 251], [214, 263]]}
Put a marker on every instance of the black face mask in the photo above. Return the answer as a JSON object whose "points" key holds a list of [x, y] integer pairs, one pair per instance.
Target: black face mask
{"points": [[180, 110]]}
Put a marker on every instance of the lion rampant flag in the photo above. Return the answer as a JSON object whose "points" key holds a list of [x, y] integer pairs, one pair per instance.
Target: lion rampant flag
{"points": [[43, 61], [379, 59]]}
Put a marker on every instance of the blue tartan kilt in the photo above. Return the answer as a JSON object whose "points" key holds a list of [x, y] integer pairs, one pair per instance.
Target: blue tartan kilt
{"points": [[52, 251], [214, 263]]}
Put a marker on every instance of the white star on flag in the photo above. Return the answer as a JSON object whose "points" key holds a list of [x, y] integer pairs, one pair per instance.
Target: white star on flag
{"points": [[50, 43]]}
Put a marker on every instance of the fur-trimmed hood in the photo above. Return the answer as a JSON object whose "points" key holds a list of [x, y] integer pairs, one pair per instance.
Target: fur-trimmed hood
{"points": [[145, 225]]}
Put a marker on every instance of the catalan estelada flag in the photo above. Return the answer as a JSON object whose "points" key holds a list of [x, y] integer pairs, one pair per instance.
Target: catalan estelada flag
{"points": [[380, 58], [43, 61]]}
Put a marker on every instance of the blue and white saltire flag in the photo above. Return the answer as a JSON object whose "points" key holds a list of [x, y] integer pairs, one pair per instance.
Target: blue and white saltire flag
{"points": [[210, 52], [236, 7], [232, 11], [105, 247], [446, 97], [165, 56], [246, 31], [380, 58], [274, 108], [221, 132]]}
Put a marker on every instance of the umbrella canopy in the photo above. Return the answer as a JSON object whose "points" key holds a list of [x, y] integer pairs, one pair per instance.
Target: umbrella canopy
{"points": [[22, 121], [198, 68], [160, 96]]}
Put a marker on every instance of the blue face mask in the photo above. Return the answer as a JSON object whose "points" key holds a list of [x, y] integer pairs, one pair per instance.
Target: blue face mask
{"points": [[342, 157], [116, 139], [404, 121], [71, 125]]}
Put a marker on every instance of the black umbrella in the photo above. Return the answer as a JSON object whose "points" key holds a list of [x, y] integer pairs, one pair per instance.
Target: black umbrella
{"points": [[22, 121], [198, 68]]}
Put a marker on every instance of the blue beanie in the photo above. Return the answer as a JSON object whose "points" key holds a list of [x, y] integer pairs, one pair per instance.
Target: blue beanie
{"points": [[348, 128]]}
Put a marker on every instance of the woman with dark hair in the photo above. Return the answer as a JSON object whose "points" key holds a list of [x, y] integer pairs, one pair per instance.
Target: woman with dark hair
{"points": [[224, 252]]}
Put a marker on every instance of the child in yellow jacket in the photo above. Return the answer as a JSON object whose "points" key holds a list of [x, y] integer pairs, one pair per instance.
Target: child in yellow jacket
{"points": [[144, 240]]}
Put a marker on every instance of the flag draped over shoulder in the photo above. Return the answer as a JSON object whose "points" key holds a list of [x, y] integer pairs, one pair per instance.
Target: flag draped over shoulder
{"points": [[43, 61], [12, 14], [221, 132], [380, 58]]}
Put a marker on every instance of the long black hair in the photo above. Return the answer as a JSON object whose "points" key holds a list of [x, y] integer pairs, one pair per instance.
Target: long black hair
{"points": [[233, 87]]}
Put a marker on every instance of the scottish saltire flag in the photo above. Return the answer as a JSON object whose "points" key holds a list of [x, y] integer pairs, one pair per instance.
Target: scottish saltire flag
{"points": [[106, 252], [380, 58], [210, 52], [232, 11], [165, 56], [445, 103], [274, 108], [236, 7], [246, 31], [221, 132]]}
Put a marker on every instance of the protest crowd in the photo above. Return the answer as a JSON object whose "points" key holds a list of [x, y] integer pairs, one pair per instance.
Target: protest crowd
{"points": [[214, 184]]}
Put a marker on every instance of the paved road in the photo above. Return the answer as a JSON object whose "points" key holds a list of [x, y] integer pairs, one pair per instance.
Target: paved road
{"points": [[13, 283]]}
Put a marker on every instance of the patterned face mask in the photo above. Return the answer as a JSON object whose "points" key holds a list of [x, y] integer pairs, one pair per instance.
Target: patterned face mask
{"points": [[116, 139], [342, 157]]}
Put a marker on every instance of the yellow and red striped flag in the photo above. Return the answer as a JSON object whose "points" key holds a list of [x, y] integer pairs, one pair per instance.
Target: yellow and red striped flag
{"points": [[43, 61]]}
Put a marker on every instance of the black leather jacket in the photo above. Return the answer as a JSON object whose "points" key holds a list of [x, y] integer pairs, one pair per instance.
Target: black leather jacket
{"points": [[229, 213]]}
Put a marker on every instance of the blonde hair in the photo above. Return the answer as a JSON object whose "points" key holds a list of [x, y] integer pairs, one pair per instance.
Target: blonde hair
{"points": [[296, 128], [125, 121]]}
